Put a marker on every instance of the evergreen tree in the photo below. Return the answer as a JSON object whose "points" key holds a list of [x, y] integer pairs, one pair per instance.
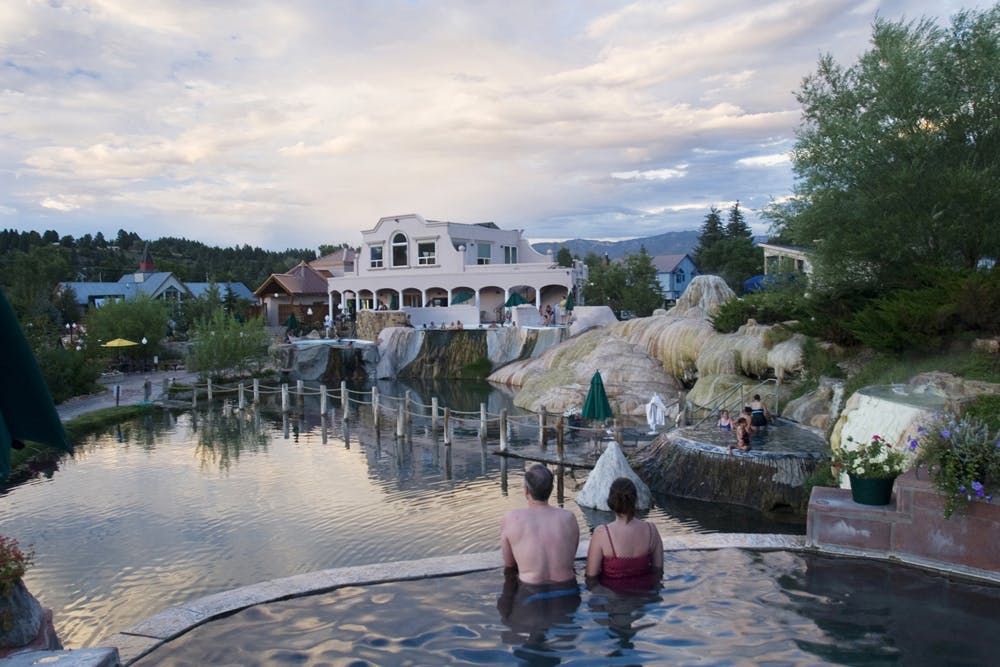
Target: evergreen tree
{"points": [[711, 233], [564, 257], [736, 226], [643, 293]]}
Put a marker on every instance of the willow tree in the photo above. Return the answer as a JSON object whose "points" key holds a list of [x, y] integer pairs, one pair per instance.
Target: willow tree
{"points": [[898, 155]]}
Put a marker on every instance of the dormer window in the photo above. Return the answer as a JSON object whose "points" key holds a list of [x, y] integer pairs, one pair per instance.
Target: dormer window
{"points": [[400, 250], [679, 276]]}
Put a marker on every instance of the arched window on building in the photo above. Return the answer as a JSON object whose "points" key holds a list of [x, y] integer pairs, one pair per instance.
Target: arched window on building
{"points": [[399, 250]]}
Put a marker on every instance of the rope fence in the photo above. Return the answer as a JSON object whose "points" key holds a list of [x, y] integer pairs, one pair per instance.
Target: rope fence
{"points": [[400, 409]]}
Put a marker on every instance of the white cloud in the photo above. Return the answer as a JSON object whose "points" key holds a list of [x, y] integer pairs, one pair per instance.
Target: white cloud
{"points": [[651, 174], [772, 160]]}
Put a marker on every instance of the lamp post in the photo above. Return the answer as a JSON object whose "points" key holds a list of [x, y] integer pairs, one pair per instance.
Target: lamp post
{"points": [[144, 342], [71, 329]]}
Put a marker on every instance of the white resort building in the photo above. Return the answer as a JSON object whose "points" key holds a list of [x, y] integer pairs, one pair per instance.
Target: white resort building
{"points": [[407, 263]]}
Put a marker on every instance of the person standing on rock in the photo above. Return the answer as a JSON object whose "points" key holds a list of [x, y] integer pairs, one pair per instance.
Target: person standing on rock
{"points": [[759, 415], [540, 541]]}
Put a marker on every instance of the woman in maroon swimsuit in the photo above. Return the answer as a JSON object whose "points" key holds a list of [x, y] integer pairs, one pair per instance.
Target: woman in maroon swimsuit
{"points": [[627, 553]]}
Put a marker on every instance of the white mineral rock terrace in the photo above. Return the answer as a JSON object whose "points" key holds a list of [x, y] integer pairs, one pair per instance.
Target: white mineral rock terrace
{"points": [[649, 355], [611, 465]]}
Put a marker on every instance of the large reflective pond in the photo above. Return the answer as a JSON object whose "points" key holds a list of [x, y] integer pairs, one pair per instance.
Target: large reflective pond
{"points": [[161, 510]]}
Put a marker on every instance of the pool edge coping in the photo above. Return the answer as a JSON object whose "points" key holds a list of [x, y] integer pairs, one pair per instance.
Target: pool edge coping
{"points": [[146, 636]]}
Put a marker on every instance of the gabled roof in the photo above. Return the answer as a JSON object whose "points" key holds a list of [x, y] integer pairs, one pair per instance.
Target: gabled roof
{"points": [[336, 263], [88, 291], [668, 263], [152, 284], [239, 290], [302, 279]]}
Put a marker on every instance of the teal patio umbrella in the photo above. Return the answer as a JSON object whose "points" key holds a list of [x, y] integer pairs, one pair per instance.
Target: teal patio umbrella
{"points": [[596, 406], [292, 322], [514, 299], [461, 297], [26, 408]]}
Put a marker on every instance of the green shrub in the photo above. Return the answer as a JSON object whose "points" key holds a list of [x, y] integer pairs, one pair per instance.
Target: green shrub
{"points": [[918, 319], [732, 315], [67, 373], [779, 303]]}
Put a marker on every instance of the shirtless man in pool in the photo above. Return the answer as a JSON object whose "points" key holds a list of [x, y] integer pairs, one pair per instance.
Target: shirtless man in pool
{"points": [[539, 541]]}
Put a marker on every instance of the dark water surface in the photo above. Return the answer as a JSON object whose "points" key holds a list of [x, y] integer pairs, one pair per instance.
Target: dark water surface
{"points": [[163, 510], [726, 607]]}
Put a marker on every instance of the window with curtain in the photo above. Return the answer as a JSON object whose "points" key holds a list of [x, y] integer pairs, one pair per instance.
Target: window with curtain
{"points": [[484, 253]]}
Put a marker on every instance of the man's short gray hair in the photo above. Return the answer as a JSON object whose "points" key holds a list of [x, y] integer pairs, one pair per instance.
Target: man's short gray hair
{"points": [[538, 481]]}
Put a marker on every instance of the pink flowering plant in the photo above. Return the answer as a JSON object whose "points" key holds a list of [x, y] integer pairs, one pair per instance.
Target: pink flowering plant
{"points": [[14, 562], [962, 457], [876, 458]]}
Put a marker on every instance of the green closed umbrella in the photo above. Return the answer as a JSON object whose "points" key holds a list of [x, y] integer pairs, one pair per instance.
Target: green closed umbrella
{"points": [[515, 299], [597, 406], [292, 322], [569, 303], [26, 408]]}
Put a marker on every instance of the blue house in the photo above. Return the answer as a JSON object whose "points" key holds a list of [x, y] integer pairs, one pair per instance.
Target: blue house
{"points": [[674, 272], [147, 280]]}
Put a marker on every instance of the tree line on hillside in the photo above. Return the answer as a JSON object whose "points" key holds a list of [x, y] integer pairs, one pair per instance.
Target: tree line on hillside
{"points": [[32, 264]]}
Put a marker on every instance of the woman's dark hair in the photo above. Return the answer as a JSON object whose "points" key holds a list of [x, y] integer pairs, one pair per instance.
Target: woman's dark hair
{"points": [[538, 480], [756, 397], [623, 497]]}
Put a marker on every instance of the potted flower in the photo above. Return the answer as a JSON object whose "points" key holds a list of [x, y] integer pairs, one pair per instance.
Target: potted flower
{"points": [[962, 459], [20, 613], [872, 468]]}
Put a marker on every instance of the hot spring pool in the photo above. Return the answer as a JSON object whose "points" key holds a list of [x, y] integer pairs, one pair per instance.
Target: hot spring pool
{"points": [[783, 437], [725, 607]]}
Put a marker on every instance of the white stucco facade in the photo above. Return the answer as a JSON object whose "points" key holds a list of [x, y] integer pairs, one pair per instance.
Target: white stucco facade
{"points": [[407, 262]]}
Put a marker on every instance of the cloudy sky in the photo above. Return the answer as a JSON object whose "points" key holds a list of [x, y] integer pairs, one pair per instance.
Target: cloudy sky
{"points": [[295, 123]]}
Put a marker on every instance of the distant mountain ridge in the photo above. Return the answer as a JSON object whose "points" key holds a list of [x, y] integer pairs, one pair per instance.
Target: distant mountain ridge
{"points": [[668, 243]]}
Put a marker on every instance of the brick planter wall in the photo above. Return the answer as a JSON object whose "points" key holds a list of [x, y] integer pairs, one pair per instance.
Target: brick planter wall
{"points": [[912, 529]]}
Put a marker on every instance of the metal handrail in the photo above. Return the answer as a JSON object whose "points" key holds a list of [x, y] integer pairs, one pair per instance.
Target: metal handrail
{"points": [[718, 403]]}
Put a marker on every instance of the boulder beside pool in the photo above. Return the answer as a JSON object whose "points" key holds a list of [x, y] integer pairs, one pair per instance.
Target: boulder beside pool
{"points": [[610, 466]]}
